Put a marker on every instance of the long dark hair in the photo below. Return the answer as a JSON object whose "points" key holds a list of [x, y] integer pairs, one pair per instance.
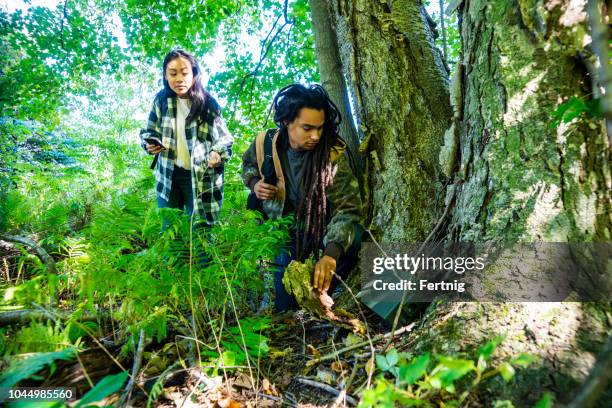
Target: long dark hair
{"points": [[318, 173], [201, 100]]}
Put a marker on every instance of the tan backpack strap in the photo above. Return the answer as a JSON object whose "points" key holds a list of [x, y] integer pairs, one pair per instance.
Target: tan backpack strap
{"points": [[259, 149]]}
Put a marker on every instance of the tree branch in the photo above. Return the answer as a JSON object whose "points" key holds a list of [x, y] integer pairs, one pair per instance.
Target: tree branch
{"points": [[40, 252]]}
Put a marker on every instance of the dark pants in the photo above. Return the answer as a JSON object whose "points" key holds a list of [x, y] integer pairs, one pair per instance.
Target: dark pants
{"points": [[181, 197], [283, 301]]}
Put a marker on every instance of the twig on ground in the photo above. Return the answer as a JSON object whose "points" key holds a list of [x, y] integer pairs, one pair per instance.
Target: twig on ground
{"points": [[127, 395], [333, 355], [327, 388]]}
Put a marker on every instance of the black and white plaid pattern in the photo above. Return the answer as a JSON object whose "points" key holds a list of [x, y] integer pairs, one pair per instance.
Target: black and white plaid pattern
{"points": [[212, 135]]}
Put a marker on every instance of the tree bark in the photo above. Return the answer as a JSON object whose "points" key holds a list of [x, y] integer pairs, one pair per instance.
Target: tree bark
{"points": [[520, 179], [400, 86], [330, 70], [515, 177]]}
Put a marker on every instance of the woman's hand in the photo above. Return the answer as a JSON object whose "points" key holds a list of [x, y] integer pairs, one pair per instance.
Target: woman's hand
{"points": [[264, 191], [153, 149], [214, 160]]}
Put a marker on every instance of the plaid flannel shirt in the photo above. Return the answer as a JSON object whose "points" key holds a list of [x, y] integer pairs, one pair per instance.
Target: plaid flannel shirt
{"points": [[212, 135]]}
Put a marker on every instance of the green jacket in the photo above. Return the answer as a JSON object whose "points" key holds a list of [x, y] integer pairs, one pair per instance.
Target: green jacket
{"points": [[342, 196]]}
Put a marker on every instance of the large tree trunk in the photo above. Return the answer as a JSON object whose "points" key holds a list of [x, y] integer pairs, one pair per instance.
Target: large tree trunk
{"points": [[400, 87], [332, 77], [514, 177], [519, 179]]}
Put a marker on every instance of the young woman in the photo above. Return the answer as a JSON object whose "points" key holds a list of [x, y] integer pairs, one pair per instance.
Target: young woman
{"points": [[192, 143]]}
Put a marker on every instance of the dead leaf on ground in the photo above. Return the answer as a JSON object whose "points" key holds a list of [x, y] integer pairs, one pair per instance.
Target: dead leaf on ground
{"points": [[228, 403], [339, 366], [242, 380], [310, 349]]}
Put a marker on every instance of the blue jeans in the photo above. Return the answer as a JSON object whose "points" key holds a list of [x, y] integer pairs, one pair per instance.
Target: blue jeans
{"points": [[283, 301]]}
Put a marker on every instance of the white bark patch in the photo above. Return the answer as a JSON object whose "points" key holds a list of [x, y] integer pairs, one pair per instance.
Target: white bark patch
{"points": [[548, 206], [517, 109], [574, 13]]}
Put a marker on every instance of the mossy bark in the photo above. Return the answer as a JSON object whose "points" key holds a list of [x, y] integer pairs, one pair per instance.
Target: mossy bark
{"points": [[400, 87], [521, 179], [332, 77], [517, 177]]}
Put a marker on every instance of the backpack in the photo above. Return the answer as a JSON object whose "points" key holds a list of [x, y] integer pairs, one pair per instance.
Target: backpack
{"points": [[267, 171]]}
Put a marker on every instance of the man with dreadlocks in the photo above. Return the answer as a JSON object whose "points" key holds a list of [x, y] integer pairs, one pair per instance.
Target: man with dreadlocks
{"points": [[313, 181]]}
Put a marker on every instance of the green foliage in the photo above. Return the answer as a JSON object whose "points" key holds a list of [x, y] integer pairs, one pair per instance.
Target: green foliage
{"points": [[573, 108], [158, 386], [51, 52], [453, 36], [422, 381], [105, 387], [21, 369], [41, 337], [83, 190], [545, 402], [241, 342]]}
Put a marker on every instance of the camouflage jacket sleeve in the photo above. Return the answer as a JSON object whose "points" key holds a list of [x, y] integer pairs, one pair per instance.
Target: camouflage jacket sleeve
{"points": [[346, 209], [152, 126], [250, 170]]}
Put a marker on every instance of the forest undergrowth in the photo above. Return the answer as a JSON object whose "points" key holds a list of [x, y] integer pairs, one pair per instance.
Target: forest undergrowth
{"points": [[97, 298]]}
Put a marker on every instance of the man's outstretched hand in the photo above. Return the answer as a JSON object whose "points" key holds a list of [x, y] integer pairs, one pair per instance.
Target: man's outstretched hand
{"points": [[323, 274]]}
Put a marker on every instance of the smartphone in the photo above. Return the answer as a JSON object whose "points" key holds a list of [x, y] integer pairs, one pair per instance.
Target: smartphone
{"points": [[154, 141]]}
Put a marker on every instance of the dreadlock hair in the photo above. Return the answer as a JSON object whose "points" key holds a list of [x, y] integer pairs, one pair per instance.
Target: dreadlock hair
{"points": [[201, 100], [318, 173]]}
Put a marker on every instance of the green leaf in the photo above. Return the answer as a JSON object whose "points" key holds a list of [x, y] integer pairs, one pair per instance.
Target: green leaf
{"points": [[569, 110], [382, 363], [20, 370], [507, 371], [392, 357], [228, 358], [107, 386], [449, 370], [487, 350], [523, 360], [415, 370], [386, 363], [545, 402], [503, 404]]}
